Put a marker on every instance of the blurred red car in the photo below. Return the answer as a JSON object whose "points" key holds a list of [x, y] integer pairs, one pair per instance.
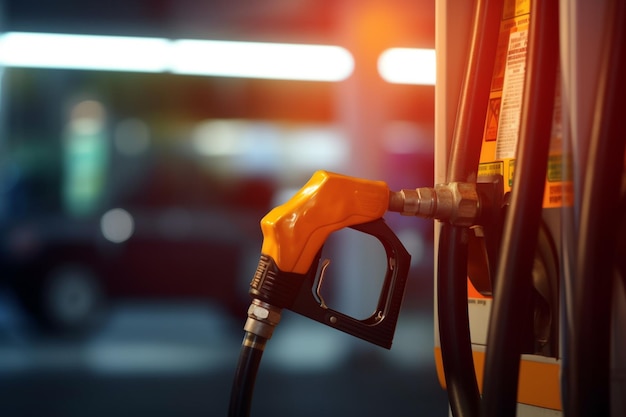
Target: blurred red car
{"points": [[156, 244]]}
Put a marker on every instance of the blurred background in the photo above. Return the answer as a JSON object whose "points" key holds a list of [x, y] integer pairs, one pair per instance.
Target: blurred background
{"points": [[130, 202]]}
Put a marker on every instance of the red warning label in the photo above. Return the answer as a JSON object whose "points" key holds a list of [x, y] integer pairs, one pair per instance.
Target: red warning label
{"points": [[493, 115]]}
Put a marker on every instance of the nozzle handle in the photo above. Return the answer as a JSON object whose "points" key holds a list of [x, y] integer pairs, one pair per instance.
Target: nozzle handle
{"points": [[294, 232], [294, 291]]}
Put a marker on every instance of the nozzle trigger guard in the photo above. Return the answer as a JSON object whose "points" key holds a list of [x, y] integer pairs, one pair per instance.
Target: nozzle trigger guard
{"points": [[379, 328]]}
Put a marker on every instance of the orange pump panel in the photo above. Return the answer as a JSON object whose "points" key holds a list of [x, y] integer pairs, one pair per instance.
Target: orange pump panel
{"points": [[539, 382], [294, 232]]}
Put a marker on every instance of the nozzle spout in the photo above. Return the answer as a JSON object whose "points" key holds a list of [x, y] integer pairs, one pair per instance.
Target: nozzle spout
{"points": [[420, 202]]}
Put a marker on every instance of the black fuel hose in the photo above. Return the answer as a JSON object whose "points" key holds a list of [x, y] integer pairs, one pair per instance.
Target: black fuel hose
{"points": [[512, 293], [245, 376], [473, 102], [590, 346], [454, 336]]}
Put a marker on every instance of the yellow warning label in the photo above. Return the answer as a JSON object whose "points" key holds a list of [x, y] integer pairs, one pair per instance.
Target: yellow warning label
{"points": [[490, 168], [514, 8], [555, 168], [559, 191], [510, 172]]}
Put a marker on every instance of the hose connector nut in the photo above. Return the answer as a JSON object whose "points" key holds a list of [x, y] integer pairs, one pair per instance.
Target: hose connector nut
{"points": [[262, 318], [456, 202], [420, 202], [465, 202]]}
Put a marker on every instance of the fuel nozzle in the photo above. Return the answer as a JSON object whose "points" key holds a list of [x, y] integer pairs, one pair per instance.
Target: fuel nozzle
{"points": [[295, 232], [293, 236]]}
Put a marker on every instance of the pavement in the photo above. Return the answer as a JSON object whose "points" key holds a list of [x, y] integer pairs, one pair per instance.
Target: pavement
{"points": [[178, 359]]}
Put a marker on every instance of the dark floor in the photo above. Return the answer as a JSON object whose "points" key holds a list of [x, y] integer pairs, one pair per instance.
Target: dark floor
{"points": [[178, 359], [343, 392]]}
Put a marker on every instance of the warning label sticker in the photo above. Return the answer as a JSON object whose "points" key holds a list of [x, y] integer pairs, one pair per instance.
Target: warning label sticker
{"points": [[502, 122], [490, 169], [514, 8], [493, 114], [510, 173], [512, 94]]}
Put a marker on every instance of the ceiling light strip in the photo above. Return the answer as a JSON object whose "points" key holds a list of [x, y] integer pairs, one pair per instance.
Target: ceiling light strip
{"points": [[408, 66], [185, 56]]}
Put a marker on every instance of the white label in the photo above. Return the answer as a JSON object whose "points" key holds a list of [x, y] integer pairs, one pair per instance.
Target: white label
{"points": [[512, 93]]}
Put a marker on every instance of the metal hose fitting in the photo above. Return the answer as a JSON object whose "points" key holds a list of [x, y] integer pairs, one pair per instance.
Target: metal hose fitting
{"points": [[456, 202], [262, 319]]}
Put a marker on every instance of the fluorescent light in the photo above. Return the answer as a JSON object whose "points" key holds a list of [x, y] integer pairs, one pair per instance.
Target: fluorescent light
{"points": [[262, 60], [184, 56], [88, 52], [408, 66]]}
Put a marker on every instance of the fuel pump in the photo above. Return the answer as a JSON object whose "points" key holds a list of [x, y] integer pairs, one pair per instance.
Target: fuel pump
{"points": [[540, 292], [528, 205]]}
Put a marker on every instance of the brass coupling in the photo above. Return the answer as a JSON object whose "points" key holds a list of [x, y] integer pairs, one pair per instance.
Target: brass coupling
{"points": [[262, 319], [456, 202]]}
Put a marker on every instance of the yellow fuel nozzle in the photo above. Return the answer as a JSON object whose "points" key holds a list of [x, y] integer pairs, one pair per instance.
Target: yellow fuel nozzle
{"points": [[294, 232], [293, 236]]}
